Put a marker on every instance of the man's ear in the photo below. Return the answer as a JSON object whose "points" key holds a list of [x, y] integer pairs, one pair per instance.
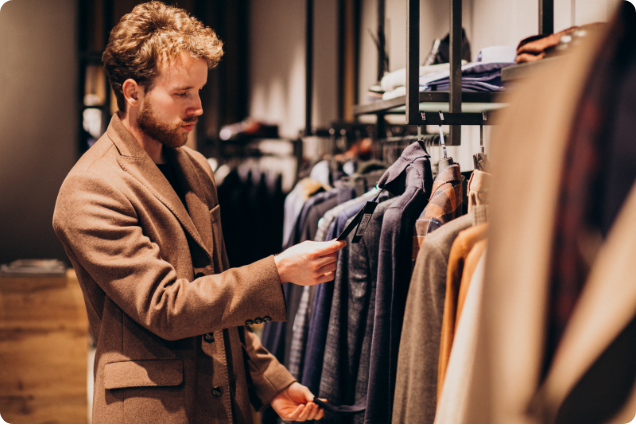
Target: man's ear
{"points": [[133, 92]]}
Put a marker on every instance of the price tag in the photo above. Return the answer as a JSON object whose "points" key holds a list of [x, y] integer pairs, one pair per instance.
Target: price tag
{"points": [[360, 222]]}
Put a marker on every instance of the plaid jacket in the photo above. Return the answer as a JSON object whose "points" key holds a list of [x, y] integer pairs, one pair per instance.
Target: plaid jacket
{"points": [[444, 205]]}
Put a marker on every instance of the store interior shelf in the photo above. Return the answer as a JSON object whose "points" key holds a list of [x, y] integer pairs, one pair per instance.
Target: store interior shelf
{"points": [[432, 101]]}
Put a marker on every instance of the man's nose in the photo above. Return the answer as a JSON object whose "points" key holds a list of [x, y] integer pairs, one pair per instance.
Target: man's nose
{"points": [[196, 108]]}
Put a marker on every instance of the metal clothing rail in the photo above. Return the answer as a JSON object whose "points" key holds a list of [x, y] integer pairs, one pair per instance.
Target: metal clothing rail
{"points": [[309, 63]]}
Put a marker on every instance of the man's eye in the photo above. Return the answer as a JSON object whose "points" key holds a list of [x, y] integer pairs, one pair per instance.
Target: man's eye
{"points": [[182, 94]]}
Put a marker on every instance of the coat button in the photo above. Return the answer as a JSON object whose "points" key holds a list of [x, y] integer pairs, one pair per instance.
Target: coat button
{"points": [[217, 391], [208, 338], [198, 275], [267, 319], [258, 320], [249, 322]]}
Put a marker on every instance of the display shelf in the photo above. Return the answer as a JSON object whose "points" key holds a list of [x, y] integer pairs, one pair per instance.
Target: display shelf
{"points": [[463, 108], [432, 101]]}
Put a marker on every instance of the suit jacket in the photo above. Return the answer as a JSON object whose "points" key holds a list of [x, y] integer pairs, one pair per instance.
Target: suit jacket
{"points": [[592, 372], [416, 386], [166, 313], [410, 176], [345, 368]]}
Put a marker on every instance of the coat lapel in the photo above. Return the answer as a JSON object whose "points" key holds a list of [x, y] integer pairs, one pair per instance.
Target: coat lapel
{"points": [[606, 305], [198, 204], [136, 162]]}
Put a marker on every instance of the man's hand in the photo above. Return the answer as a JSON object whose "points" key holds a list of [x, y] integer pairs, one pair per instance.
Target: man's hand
{"points": [[308, 263], [294, 403]]}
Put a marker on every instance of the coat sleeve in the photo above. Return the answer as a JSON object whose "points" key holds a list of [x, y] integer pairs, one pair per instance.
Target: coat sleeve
{"points": [[268, 376], [99, 225]]}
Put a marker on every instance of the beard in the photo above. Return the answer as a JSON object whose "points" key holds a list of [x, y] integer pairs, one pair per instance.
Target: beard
{"points": [[168, 135]]}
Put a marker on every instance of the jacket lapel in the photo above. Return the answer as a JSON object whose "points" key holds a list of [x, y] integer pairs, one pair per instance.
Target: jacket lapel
{"points": [[198, 204], [606, 305], [136, 162]]}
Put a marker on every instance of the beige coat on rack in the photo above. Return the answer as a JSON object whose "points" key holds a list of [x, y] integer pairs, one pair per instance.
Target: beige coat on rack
{"points": [[529, 152]]}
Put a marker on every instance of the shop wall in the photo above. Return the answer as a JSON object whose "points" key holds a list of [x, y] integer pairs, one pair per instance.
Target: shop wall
{"points": [[277, 63], [38, 122]]}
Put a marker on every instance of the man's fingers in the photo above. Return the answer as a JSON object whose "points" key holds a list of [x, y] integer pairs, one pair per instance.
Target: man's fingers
{"points": [[305, 413], [320, 414], [327, 277], [313, 413], [331, 246], [296, 413], [327, 259], [329, 268]]}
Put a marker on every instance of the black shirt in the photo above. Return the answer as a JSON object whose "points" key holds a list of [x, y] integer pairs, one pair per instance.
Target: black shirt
{"points": [[168, 171]]}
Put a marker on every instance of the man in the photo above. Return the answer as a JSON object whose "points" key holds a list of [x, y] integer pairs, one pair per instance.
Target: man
{"points": [[139, 219]]}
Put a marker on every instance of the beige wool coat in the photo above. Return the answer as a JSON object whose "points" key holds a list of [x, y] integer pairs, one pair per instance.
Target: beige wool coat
{"points": [[167, 314], [506, 385]]}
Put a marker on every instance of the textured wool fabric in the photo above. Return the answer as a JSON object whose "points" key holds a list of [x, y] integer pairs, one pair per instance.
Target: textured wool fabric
{"points": [[320, 314], [155, 281], [409, 166], [345, 369], [458, 276], [302, 319], [411, 178], [416, 386]]}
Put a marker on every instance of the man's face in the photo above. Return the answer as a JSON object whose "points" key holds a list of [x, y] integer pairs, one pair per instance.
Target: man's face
{"points": [[170, 109]]}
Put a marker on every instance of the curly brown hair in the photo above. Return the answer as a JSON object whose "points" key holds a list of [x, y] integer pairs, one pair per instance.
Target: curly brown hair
{"points": [[150, 36]]}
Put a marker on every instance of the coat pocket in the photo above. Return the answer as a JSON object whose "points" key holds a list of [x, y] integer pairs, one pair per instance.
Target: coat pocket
{"points": [[143, 373]]}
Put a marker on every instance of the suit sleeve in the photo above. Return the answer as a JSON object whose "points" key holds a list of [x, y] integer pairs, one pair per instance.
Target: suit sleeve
{"points": [[99, 225], [268, 376]]}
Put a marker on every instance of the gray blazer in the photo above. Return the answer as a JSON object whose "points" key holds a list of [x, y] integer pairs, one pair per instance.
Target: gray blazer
{"points": [[345, 370], [416, 382]]}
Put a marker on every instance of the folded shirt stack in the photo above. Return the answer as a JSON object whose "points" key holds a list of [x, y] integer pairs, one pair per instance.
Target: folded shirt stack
{"points": [[481, 76], [396, 79]]}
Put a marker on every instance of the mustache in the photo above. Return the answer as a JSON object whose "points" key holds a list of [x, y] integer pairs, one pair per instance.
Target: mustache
{"points": [[192, 120]]}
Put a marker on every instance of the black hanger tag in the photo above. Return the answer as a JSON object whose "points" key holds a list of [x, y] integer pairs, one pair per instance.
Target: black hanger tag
{"points": [[359, 223]]}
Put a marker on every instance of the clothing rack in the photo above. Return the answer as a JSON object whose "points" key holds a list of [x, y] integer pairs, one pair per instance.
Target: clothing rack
{"points": [[420, 108]]}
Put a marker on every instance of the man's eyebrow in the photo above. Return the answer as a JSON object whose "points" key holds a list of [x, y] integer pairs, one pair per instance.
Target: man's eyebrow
{"points": [[188, 87]]}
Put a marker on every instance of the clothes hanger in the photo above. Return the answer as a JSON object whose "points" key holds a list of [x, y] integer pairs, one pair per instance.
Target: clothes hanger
{"points": [[480, 160], [446, 160]]}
